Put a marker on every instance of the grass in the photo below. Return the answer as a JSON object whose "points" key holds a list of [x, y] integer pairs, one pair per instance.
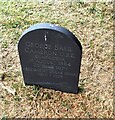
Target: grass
{"points": [[92, 23]]}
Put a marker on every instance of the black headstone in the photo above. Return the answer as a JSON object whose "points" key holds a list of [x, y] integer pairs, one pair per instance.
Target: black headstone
{"points": [[50, 57]]}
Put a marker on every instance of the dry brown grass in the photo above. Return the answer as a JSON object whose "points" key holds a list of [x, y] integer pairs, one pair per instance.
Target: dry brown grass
{"points": [[92, 23]]}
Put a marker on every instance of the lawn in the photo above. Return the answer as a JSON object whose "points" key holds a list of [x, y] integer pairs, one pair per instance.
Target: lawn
{"points": [[92, 24]]}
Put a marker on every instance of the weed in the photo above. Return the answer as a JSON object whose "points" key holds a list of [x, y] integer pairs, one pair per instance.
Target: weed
{"points": [[36, 90], [4, 44], [89, 114], [81, 3], [46, 96], [6, 102], [4, 118], [91, 44], [93, 9], [102, 17], [64, 103], [15, 86], [17, 98]]}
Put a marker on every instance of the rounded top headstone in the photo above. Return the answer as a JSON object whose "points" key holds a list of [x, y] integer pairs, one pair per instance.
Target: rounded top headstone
{"points": [[50, 56]]}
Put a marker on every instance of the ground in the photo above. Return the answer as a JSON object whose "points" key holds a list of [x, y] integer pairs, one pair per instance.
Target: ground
{"points": [[92, 24]]}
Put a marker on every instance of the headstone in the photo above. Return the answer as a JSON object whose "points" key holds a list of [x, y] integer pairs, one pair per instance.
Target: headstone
{"points": [[50, 57]]}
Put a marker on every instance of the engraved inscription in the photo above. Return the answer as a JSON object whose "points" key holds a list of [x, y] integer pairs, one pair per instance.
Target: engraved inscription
{"points": [[49, 60]]}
